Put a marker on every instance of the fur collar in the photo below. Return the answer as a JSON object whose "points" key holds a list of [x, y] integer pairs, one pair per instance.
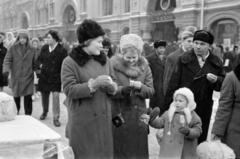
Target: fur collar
{"points": [[237, 71], [130, 71], [81, 57], [189, 56]]}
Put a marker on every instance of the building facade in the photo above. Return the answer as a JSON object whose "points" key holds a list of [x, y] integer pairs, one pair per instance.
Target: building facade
{"points": [[150, 19]]}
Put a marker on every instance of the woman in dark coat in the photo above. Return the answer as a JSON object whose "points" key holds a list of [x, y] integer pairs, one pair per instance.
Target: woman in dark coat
{"points": [[87, 83], [135, 85], [50, 62], [227, 120], [202, 72], [3, 52]]}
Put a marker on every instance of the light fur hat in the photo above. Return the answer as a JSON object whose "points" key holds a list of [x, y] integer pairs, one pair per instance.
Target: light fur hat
{"points": [[23, 33], [131, 40], [187, 34], [191, 29], [187, 111]]}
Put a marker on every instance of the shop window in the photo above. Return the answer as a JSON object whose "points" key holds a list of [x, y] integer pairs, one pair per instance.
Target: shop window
{"points": [[107, 7]]}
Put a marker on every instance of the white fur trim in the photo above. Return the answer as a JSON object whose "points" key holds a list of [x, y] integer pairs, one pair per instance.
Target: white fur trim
{"points": [[131, 40]]}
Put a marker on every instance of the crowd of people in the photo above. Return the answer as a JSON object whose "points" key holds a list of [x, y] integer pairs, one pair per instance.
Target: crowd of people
{"points": [[106, 89]]}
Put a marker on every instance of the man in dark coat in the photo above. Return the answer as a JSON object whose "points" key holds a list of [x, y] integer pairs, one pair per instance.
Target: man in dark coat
{"points": [[202, 72], [20, 60], [50, 63], [187, 43], [3, 51], [157, 65]]}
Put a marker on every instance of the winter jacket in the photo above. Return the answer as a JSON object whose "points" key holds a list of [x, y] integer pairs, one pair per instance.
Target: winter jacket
{"points": [[188, 73], [131, 139], [89, 127], [50, 76], [22, 65], [227, 119], [157, 68], [3, 52]]}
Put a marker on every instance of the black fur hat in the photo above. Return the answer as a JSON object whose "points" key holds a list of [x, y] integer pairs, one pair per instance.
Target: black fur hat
{"points": [[89, 29], [204, 36], [159, 43]]}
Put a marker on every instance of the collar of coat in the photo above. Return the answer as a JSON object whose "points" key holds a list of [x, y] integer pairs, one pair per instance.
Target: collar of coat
{"points": [[130, 71], [189, 56], [237, 71], [81, 57]]}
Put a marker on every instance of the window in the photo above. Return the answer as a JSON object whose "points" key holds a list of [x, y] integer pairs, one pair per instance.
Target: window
{"points": [[84, 4], [127, 6], [38, 17], [46, 15], [52, 10], [107, 7]]}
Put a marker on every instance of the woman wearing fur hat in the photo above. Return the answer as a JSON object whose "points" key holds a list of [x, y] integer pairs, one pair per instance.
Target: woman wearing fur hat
{"points": [[88, 83], [202, 72], [182, 127], [20, 60], [135, 85], [107, 47], [226, 126]]}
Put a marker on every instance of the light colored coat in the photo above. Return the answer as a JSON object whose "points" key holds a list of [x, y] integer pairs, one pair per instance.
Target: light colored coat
{"points": [[227, 119], [22, 66], [176, 145]]}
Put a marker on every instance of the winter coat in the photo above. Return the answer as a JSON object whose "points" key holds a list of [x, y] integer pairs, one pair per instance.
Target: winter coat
{"points": [[227, 119], [3, 52], [131, 138], [170, 62], [176, 145], [50, 77], [22, 66], [157, 68], [188, 73], [89, 127]]}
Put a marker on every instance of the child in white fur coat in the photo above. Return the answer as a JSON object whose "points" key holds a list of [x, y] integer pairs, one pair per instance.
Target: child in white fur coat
{"points": [[182, 126]]}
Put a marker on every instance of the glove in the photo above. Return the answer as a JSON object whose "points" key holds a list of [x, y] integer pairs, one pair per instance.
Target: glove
{"points": [[102, 80], [153, 114], [6, 74], [136, 84], [184, 130], [126, 90]]}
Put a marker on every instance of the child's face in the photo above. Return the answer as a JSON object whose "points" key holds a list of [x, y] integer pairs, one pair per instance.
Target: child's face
{"points": [[181, 102]]}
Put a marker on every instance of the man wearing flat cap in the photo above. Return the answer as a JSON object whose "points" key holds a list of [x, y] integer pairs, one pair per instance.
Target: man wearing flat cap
{"points": [[202, 72], [187, 44], [157, 65], [20, 61]]}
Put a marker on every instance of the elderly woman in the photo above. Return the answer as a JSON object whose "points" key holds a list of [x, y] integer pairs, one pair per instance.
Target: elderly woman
{"points": [[227, 121], [87, 79], [135, 82]]}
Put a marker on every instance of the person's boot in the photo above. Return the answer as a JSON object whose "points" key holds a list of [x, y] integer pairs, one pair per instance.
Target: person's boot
{"points": [[43, 116], [56, 122]]}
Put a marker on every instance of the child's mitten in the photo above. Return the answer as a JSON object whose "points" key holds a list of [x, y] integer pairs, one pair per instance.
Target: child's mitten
{"points": [[153, 114], [184, 130]]}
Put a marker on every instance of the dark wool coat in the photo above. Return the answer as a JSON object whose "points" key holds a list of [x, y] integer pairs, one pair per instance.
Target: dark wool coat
{"points": [[3, 52], [157, 68], [170, 62], [50, 77], [227, 119], [131, 139], [188, 73], [89, 127], [21, 66], [177, 145]]}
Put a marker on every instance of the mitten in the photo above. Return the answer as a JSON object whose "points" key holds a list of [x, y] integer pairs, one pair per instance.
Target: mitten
{"points": [[126, 90], [102, 80], [154, 113], [184, 130], [112, 88]]}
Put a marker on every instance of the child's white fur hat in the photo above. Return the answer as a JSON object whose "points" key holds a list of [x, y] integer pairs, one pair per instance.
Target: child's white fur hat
{"points": [[188, 94], [131, 40]]}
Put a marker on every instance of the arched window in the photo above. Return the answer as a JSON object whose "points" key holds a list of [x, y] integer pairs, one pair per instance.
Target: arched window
{"points": [[125, 31], [127, 6], [107, 7]]}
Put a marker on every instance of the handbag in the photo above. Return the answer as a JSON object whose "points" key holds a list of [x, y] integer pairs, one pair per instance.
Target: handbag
{"points": [[118, 119], [8, 108]]}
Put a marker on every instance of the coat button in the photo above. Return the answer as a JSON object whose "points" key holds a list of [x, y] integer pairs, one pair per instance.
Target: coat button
{"points": [[135, 106], [103, 112], [95, 114], [180, 142], [170, 141]]}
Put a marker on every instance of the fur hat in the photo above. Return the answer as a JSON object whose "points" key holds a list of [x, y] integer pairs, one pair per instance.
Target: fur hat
{"points": [[191, 29], [131, 40], [106, 42], [159, 43], [89, 29], [204, 36], [23, 33], [187, 111], [187, 34], [35, 39]]}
